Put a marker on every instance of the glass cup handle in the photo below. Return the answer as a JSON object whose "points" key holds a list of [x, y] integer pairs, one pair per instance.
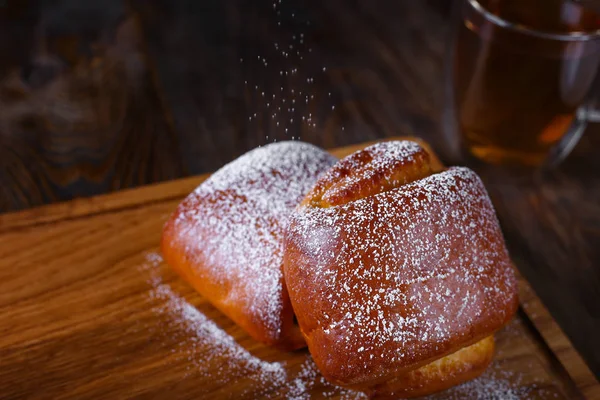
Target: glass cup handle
{"points": [[593, 115], [585, 114]]}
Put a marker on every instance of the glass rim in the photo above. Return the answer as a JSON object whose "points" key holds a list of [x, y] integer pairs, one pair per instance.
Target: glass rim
{"points": [[566, 37]]}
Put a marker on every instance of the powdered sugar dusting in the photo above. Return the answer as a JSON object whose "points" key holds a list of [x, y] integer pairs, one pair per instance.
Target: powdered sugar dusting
{"points": [[299, 388], [421, 263], [207, 333], [394, 150], [203, 336], [495, 384], [375, 169], [383, 157], [489, 387], [304, 385], [238, 215], [204, 341]]}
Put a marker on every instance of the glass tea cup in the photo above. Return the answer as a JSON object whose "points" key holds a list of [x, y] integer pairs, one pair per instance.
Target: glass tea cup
{"points": [[522, 78]]}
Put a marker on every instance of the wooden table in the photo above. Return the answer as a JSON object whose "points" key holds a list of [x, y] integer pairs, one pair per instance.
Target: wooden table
{"points": [[156, 90]]}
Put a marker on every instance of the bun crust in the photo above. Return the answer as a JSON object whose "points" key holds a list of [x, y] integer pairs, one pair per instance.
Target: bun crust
{"points": [[393, 269], [226, 238], [441, 374]]}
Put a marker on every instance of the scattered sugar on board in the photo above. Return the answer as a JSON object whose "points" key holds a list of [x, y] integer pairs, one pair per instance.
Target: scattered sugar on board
{"points": [[495, 384], [303, 385], [239, 215], [299, 388], [204, 340]]}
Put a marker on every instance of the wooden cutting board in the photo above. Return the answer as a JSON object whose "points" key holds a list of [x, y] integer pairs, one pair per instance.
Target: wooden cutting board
{"points": [[89, 310]]}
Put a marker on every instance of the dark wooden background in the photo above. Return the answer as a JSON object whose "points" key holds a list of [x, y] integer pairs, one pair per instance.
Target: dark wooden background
{"points": [[102, 95]]}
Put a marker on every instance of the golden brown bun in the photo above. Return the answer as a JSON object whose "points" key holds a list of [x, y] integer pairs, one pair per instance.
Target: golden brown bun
{"points": [[391, 266], [376, 169], [441, 374], [226, 238]]}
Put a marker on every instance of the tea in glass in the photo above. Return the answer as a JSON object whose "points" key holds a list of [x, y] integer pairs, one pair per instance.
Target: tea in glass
{"points": [[523, 70]]}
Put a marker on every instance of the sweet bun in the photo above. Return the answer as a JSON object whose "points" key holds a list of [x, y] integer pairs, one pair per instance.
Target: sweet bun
{"points": [[398, 272], [441, 374], [226, 238]]}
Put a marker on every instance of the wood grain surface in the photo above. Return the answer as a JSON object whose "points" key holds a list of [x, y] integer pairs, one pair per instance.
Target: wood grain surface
{"points": [[115, 94], [89, 310]]}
